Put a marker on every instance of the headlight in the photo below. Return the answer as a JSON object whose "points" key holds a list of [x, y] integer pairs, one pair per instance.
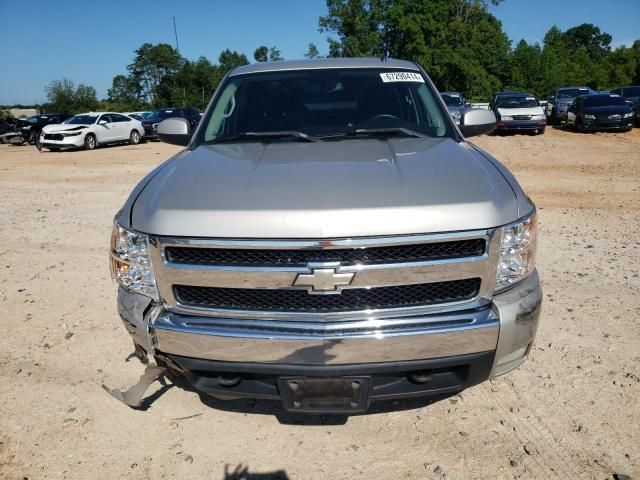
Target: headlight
{"points": [[71, 134], [586, 116], [517, 251], [537, 117], [130, 262], [628, 115], [506, 117]]}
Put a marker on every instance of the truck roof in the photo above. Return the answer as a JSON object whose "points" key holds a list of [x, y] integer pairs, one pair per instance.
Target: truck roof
{"points": [[324, 63]]}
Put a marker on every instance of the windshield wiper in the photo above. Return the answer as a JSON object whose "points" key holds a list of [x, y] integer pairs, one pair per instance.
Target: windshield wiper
{"points": [[293, 134], [377, 132]]}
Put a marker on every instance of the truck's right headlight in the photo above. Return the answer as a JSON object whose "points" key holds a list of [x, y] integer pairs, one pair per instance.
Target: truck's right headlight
{"points": [[131, 263], [517, 251]]}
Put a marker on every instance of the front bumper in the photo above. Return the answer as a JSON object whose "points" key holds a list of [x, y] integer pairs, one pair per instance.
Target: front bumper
{"points": [[75, 141], [520, 125], [622, 124], [466, 347]]}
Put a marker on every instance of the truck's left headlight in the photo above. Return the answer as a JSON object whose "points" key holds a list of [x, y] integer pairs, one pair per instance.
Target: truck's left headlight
{"points": [[130, 262], [517, 251]]}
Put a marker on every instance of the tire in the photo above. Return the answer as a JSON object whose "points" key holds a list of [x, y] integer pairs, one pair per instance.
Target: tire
{"points": [[37, 142], [134, 137], [90, 141]]}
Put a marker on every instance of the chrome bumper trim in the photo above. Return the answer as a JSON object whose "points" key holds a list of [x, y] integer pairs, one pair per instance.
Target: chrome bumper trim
{"points": [[369, 341]]}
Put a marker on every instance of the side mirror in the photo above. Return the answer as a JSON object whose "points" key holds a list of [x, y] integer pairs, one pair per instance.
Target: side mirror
{"points": [[629, 102], [102, 122], [478, 121], [175, 131]]}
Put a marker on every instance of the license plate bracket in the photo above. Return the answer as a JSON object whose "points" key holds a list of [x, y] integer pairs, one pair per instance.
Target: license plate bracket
{"points": [[325, 395]]}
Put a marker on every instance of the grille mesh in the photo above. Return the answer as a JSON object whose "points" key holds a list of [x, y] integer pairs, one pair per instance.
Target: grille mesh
{"points": [[349, 299], [346, 256]]}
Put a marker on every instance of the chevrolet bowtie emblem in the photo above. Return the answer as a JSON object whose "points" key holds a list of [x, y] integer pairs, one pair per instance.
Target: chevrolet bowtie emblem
{"points": [[323, 280]]}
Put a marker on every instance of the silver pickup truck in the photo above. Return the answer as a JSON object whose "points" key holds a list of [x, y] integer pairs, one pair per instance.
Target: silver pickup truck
{"points": [[328, 238]]}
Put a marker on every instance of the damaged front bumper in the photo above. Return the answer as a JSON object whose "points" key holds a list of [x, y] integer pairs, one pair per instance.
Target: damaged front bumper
{"points": [[452, 350]]}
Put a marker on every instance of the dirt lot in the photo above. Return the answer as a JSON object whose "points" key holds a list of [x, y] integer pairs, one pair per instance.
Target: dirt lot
{"points": [[571, 411]]}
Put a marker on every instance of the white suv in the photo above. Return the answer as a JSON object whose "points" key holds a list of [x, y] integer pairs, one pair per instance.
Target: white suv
{"points": [[88, 130]]}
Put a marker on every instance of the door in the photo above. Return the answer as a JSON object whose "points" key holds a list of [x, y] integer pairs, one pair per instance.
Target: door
{"points": [[571, 113], [105, 129], [121, 127]]}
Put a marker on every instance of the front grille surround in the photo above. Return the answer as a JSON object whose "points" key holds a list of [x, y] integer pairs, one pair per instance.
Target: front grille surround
{"points": [[282, 276]]}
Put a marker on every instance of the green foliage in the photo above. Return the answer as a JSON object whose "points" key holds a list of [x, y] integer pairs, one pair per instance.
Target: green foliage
{"points": [[151, 64], [274, 55], [459, 42], [261, 54], [312, 52], [266, 54], [463, 47], [63, 96]]}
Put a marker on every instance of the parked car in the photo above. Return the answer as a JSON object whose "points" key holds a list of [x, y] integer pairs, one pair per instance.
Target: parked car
{"points": [[329, 238], [456, 104], [560, 101], [143, 114], [519, 112], [600, 112], [29, 130], [151, 122], [89, 130], [631, 94], [10, 128]]}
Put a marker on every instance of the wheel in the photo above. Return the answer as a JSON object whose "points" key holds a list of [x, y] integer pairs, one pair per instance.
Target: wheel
{"points": [[89, 141], [37, 142], [541, 131], [134, 137]]}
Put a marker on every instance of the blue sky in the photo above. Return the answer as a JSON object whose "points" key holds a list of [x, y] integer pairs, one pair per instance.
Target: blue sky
{"points": [[90, 42]]}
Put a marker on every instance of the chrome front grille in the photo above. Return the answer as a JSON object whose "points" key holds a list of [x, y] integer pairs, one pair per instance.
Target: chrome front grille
{"points": [[388, 277]]}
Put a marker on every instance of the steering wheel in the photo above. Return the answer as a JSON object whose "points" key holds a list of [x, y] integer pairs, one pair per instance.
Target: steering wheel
{"points": [[382, 115]]}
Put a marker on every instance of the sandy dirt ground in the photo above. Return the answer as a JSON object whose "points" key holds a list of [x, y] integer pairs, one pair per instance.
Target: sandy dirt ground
{"points": [[571, 411]]}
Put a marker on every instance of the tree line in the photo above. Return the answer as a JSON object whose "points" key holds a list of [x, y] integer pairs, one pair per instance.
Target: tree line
{"points": [[460, 43]]}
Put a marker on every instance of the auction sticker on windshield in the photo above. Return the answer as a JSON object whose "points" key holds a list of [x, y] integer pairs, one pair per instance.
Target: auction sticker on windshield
{"points": [[401, 77]]}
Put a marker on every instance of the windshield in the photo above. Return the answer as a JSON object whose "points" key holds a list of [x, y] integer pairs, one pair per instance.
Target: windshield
{"points": [[82, 119], [325, 103], [35, 118], [573, 92], [602, 101], [631, 91], [162, 114], [521, 101], [452, 100]]}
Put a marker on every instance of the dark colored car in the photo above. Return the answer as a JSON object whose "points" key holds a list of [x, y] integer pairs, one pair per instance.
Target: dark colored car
{"points": [[518, 111], [151, 123], [632, 94], [600, 112], [561, 100], [31, 131]]}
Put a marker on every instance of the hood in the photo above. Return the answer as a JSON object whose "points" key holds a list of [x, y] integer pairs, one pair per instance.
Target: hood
{"points": [[333, 189], [521, 111], [455, 109], [62, 127]]}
